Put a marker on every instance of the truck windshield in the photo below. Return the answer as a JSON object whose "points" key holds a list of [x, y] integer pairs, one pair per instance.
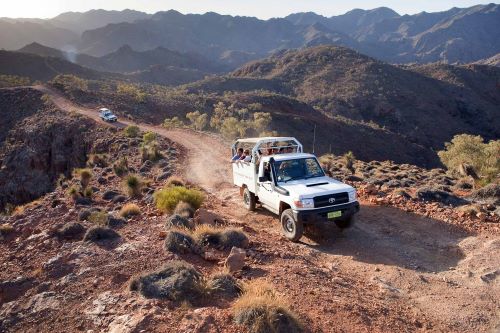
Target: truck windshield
{"points": [[297, 169]]}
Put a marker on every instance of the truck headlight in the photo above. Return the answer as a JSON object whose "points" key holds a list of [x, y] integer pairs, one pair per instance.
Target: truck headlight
{"points": [[304, 203], [352, 196]]}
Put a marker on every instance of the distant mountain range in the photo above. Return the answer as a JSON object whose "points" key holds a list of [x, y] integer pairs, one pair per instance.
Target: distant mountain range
{"points": [[457, 35]]}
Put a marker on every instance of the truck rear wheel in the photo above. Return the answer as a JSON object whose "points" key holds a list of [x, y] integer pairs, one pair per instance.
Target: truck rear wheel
{"points": [[292, 229], [249, 199], [345, 223]]}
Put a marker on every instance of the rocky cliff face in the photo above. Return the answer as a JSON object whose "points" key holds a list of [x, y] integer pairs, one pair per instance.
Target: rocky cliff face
{"points": [[42, 144]]}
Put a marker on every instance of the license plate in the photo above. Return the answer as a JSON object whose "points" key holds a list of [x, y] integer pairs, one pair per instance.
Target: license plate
{"points": [[333, 215]]}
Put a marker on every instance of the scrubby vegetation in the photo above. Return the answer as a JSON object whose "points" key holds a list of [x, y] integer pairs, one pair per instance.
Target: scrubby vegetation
{"points": [[224, 284], [121, 167], [168, 198], [150, 151], [7, 81], [71, 230], [206, 235], [262, 310], [184, 209], [179, 241], [199, 121], [99, 218], [469, 155], [174, 122], [131, 91], [85, 176], [174, 181], [129, 210], [133, 185], [178, 221], [149, 137], [98, 160], [176, 281], [97, 233], [131, 131]]}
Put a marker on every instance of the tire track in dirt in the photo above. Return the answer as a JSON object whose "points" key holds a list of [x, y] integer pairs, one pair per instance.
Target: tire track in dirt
{"points": [[207, 160]]}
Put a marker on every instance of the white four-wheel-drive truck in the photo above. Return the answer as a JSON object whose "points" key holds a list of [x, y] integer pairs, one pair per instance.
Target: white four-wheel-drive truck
{"points": [[291, 184], [107, 115]]}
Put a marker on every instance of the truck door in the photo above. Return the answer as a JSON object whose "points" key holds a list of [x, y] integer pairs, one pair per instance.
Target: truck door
{"points": [[267, 196]]}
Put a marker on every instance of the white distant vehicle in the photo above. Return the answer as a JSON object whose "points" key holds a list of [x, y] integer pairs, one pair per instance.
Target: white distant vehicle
{"points": [[291, 184], [107, 115]]}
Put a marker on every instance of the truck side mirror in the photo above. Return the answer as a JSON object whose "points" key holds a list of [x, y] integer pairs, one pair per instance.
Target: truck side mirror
{"points": [[264, 179]]}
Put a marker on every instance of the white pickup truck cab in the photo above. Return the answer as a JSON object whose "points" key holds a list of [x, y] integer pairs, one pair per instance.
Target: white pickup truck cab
{"points": [[107, 115], [291, 184]]}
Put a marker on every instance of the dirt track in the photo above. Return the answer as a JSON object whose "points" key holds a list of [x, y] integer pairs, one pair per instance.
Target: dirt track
{"points": [[398, 265]]}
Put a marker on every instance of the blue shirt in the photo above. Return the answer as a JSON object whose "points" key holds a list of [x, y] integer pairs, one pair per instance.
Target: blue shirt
{"points": [[236, 157]]}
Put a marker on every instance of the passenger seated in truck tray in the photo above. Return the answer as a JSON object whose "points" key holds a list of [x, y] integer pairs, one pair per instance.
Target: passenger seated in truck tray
{"points": [[246, 157], [238, 155]]}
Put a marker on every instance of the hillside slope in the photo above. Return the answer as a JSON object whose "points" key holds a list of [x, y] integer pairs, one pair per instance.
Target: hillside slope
{"points": [[416, 103]]}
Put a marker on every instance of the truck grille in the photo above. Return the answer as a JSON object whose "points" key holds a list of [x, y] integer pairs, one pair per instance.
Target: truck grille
{"points": [[337, 199]]}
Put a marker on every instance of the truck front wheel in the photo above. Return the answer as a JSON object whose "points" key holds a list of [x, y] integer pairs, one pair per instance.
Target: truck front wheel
{"points": [[249, 200], [292, 229]]}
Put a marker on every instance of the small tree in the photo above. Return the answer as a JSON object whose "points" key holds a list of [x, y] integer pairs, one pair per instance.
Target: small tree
{"points": [[149, 137], [349, 160], [132, 131], [173, 122], [469, 152], [198, 121]]}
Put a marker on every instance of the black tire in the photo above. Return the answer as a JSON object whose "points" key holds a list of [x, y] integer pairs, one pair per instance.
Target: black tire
{"points": [[292, 229], [249, 199], [346, 222]]}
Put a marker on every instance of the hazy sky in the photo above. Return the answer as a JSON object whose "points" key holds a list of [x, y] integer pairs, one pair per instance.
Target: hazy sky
{"points": [[259, 8]]}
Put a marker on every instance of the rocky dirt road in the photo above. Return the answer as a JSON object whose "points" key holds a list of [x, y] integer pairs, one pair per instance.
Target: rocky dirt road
{"points": [[393, 271]]}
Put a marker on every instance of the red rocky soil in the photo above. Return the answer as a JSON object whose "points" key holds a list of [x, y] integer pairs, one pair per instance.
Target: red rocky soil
{"points": [[405, 266]]}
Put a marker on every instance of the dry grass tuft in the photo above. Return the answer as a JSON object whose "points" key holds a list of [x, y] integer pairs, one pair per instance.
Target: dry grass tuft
{"points": [[129, 210], [184, 209], [262, 310]]}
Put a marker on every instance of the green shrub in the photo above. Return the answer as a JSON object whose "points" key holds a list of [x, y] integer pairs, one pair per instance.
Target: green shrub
{"points": [[73, 192], [69, 83], [150, 152], [13, 81], [131, 131], [133, 185], [131, 91], [469, 154], [149, 137], [121, 167], [173, 122], [198, 120], [88, 192], [167, 199], [349, 160]]}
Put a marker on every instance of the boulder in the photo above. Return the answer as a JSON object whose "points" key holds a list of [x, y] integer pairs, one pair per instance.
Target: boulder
{"points": [[236, 260]]}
